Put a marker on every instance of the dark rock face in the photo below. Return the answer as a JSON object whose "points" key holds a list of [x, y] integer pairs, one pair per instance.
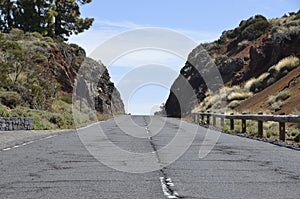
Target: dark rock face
{"points": [[94, 85], [272, 50], [69, 65], [230, 68], [198, 74]]}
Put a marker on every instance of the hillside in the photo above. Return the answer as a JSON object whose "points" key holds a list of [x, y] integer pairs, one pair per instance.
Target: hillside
{"points": [[38, 76], [256, 60], [289, 84]]}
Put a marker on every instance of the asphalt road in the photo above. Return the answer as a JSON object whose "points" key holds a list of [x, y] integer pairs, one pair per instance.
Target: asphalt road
{"points": [[123, 158]]}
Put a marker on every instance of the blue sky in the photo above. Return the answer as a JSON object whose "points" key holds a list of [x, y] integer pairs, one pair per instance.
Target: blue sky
{"points": [[202, 21]]}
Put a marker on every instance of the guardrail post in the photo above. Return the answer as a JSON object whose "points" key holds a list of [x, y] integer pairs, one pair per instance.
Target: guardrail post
{"points": [[208, 118], [202, 118], [222, 121], [260, 127], [231, 123], [244, 124], [214, 121], [282, 130]]}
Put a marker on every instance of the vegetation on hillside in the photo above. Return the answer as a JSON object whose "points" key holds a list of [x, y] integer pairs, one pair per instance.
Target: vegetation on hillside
{"points": [[37, 68], [232, 43], [251, 58], [28, 88]]}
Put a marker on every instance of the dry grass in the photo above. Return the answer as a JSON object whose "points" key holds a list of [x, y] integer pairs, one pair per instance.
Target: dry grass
{"points": [[234, 104], [255, 84], [239, 96], [281, 96], [287, 63], [243, 43], [251, 83], [263, 77], [276, 101]]}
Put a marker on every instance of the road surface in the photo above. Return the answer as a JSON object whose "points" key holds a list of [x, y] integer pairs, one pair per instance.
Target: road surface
{"points": [[61, 166]]}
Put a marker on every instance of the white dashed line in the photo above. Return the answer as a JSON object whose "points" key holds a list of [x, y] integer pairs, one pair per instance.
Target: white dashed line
{"points": [[27, 143], [165, 185]]}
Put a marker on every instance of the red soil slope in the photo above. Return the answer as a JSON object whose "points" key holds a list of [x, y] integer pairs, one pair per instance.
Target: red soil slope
{"points": [[259, 102]]}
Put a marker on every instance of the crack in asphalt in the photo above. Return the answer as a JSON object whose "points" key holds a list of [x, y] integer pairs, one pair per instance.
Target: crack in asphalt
{"points": [[166, 182]]}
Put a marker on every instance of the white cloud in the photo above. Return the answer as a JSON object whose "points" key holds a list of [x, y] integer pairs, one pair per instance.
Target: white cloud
{"points": [[105, 29], [123, 24]]}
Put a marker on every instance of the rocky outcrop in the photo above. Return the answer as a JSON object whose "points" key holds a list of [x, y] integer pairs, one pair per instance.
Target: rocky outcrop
{"points": [[69, 65], [64, 63], [273, 49], [240, 54], [94, 85], [198, 74]]}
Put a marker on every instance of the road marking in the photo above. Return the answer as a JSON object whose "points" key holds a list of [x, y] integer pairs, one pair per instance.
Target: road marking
{"points": [[27, 143], [51, 136], [166, 183]]}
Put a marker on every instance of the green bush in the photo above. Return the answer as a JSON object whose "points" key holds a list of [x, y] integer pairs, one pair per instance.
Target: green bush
{"points": [[281, 96], [62, 121], [3, 111], [10, 99], [253, 28], [66, 98], [297, 138]]}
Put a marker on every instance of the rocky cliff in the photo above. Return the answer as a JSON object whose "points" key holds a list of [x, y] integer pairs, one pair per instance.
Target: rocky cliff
{"points": [[249, 52]]}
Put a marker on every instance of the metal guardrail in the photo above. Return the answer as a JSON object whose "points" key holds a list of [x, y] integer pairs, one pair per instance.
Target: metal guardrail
{"points": [[260, 118]]}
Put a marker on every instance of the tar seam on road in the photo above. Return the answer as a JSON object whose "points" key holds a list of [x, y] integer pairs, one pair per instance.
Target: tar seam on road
{"points": [[166, 183], [27, 143]]}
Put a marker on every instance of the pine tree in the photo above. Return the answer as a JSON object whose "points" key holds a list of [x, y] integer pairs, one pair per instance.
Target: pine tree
{"points": [[28, 15], [68, 21], [6, 15], [55, 18]]}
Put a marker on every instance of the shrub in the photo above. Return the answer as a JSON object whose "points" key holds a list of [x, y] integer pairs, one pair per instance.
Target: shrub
{"points": [[253, 28], [243, 43], [219, 59], [234, 104], [276, 101], [62, 120], [287, 63], [271, 81], [10, 99], [257, 84], [239, 96], [66, 98], [33, 36], [254, 85], [15, 35], [3, 111], [281, 96], [297, 138]]}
